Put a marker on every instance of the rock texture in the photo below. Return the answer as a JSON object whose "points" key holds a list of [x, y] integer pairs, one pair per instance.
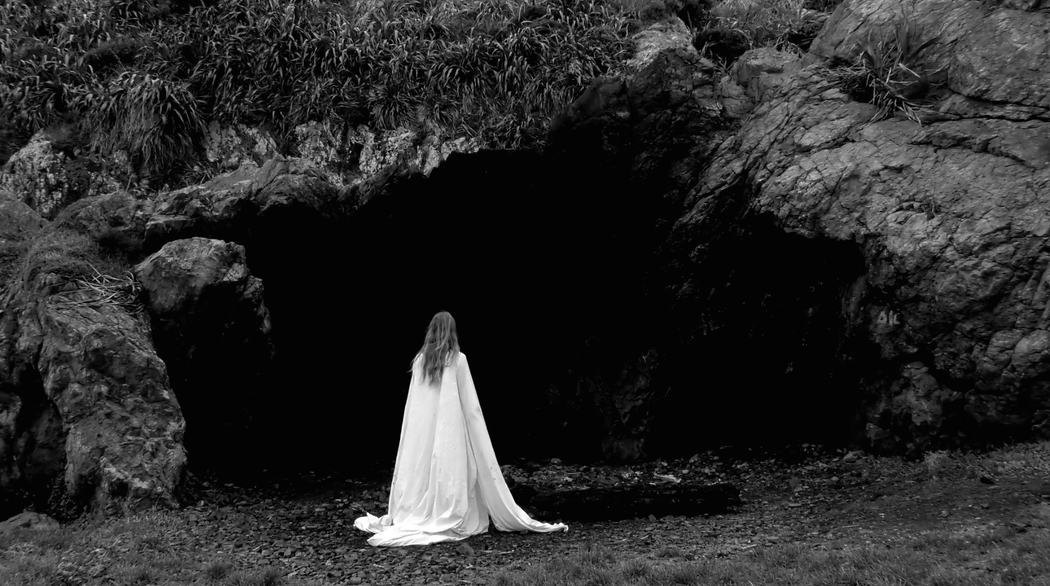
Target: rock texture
{"points": [[116, 221], [758, 258], [48, 174], [281, 191], [345, 155], [17, 219], [952, 217], [54, 170], [87, 407], [28, 520], [212, 328]]}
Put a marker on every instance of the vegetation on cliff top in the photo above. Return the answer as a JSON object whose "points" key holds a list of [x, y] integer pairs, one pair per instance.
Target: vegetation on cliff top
{"points": [[147, 76]]}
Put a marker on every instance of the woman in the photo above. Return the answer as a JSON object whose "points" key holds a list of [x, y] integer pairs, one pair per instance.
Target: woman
{"points": [[447, 483]]}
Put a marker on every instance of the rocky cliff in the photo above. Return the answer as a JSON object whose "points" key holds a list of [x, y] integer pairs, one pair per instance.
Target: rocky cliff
{"points": [[791, 249], [948, 206]]}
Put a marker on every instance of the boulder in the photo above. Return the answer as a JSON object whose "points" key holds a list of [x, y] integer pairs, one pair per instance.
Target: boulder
{"points": [[753, 76], [212, 328], [17, 219], [18, 223], [117, 221], [232, 206], [950, 217], [50, 173], [30, 521], [85, 403]]}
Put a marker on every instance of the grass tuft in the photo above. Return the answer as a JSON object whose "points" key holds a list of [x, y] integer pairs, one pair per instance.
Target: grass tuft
{"points": [[217, 571], [889, 72], [264, 577]]}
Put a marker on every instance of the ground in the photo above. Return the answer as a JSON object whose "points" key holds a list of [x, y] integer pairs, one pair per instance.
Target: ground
{"points": [[983, 517]]}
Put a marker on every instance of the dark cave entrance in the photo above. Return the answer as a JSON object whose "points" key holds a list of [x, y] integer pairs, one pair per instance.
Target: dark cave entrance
{"points": [[533, 267], [772, 362]]}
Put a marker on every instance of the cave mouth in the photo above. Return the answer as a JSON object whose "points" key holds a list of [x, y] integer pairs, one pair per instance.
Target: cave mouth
{"points": [[534, 268]]}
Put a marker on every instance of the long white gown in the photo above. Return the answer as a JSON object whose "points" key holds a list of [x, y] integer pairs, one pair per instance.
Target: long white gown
{"points": [[447, 483]]}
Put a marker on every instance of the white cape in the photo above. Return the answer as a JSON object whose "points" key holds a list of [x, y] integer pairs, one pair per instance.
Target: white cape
{"points": [[447, 483]]}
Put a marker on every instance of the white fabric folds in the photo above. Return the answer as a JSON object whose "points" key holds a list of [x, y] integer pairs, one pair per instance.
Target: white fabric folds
{"points": [[447, 483]]}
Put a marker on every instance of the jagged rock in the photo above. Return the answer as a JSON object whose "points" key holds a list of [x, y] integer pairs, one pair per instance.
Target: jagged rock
{"points": [[115, 220], [344, 155], [28, 520], [349, 156], [751, 77], [212, 328], [230, 147], [85, 403], [48, 177], [231, 205], [670, 33], [950, 217]]}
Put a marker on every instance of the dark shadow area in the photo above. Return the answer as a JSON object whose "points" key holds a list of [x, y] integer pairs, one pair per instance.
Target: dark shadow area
{"points": [[771, 362], [350, 307], [546, 275]]}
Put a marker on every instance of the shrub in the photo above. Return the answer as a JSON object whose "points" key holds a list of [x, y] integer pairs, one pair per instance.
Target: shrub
{"points": [[156, 120], [769, 23], [149, 74]]}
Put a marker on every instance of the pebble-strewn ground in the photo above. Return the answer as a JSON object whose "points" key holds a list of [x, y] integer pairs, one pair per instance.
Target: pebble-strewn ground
{"points": [[826, 498], [302, 526]]}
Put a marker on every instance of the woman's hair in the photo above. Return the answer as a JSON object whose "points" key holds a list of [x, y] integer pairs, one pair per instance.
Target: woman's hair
{"points": [[439, 346]]}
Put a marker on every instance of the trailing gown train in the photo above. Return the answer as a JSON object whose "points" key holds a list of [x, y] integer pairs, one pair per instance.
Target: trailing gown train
{"points": [[447, 483]]}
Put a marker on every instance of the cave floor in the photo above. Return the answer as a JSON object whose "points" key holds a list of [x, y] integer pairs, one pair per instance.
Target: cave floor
{"points": [[827, 500]]}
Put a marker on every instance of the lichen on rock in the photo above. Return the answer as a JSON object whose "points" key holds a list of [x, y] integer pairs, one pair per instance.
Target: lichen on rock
{"points": [[75, 351], [951, 216]]}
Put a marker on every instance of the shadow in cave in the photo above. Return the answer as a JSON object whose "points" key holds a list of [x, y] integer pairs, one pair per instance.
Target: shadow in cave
{"points": [[538, 270], [350, 305], [772, 361]]}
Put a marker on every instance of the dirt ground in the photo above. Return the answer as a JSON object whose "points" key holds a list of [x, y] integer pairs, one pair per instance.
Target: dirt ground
{"points": [[816, 498]]}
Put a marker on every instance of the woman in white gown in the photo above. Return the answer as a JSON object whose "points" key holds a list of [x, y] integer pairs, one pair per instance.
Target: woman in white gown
{"points": [[447, 483]]}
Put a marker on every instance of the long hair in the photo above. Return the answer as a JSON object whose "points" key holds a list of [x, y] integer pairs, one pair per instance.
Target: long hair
{"points": [[439, 346]]}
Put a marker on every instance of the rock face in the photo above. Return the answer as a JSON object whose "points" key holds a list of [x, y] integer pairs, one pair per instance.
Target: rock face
{"points": [[228, 206], [758, 256], [949, 315], [211, 325], [87, 410], [348, 156], [54, 170]]}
